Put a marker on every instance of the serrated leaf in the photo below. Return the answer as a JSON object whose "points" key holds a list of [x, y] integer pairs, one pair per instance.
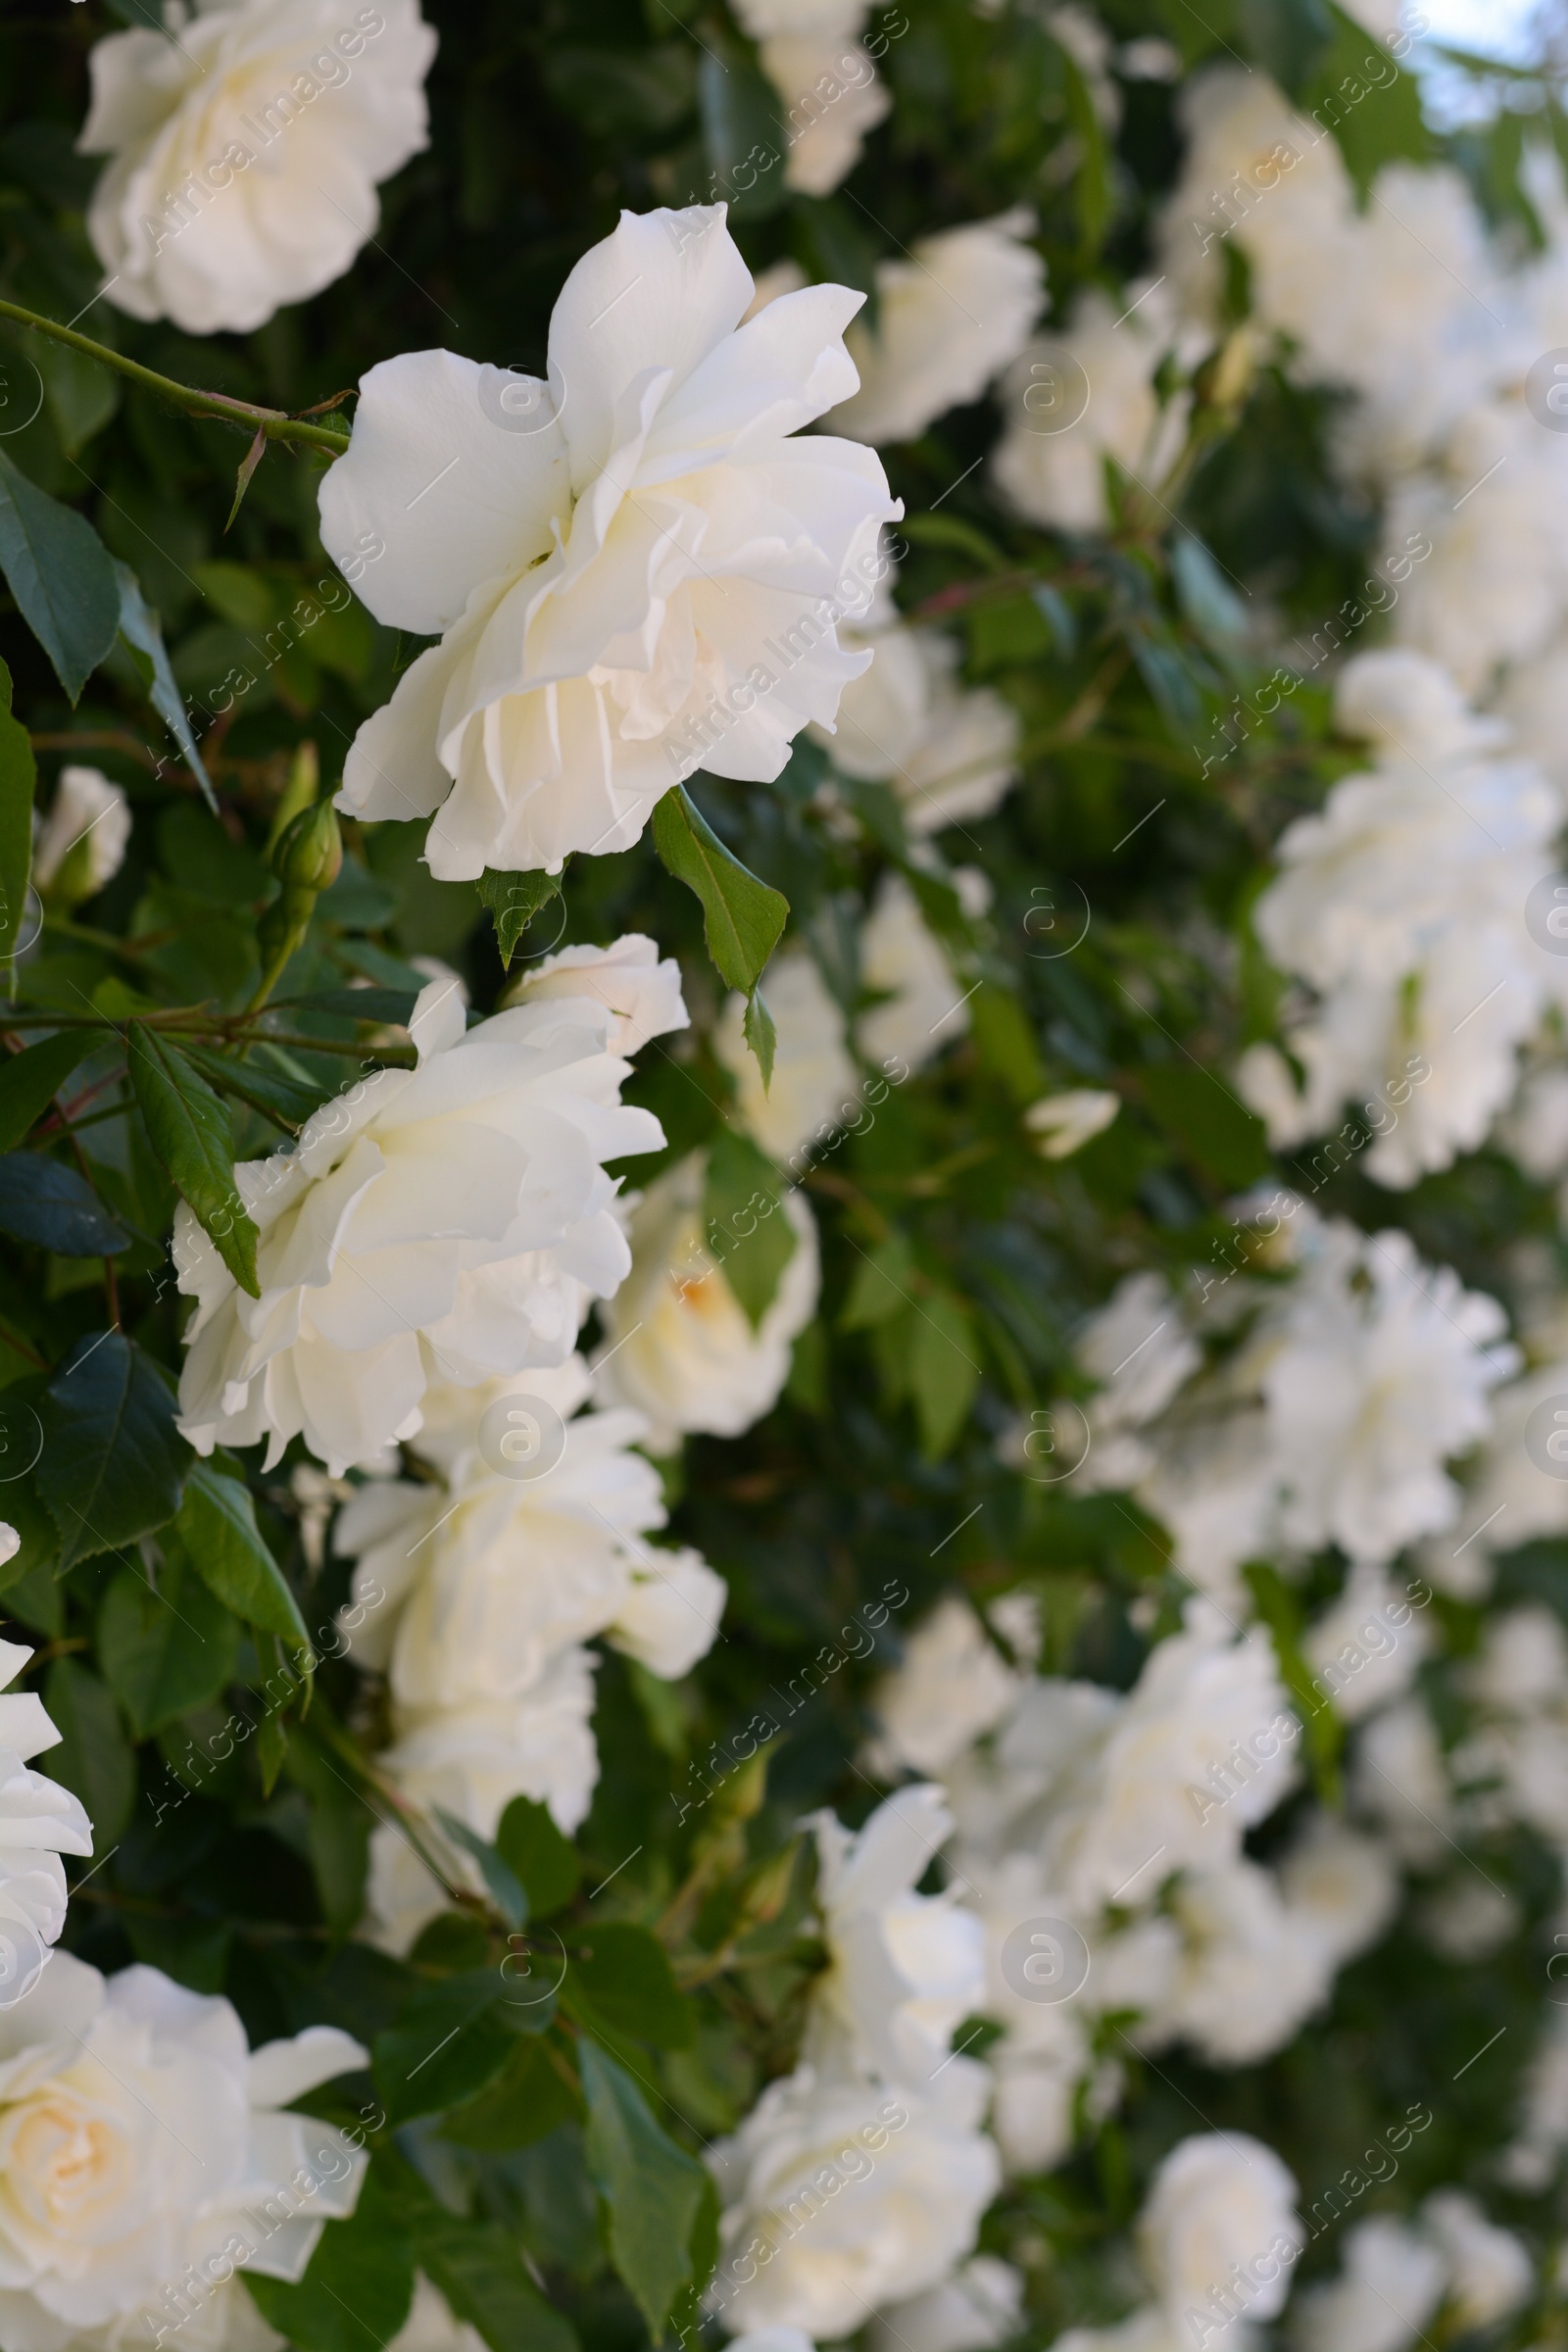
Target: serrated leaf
{"points": [[653, 2189], [514, 899], [94, 1759], [62, 576], [218, 1525], [742, 918], [164, 1646], [46, 1202], [139, 625], [743, 1224], [286, 1101], [19, 776], [193, 1136], [358, 2287], [530, 1844], [30, 1081], [113, 1465]]}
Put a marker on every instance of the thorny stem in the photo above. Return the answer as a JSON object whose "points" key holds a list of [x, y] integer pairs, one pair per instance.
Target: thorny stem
{"points": [[274, 423]]}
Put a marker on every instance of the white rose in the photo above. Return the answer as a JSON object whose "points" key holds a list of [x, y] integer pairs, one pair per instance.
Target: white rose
{"points": [[925, 1008], [1144, 2331], [39, 1820], [630, 980], [145, 2155], [639, 566], [1049, 464], [1247, 1977], [1400, 1779], [1219, 2235], [949, 751], [858, 2193], [949, 317], [439, 1223], [680, 1345], [432, 2325], [89, 814], [470, 1762], [1490, 2269], [980, 2306], [830, 99], [247, 152], [903, 1969], [815, 1087], [1063, 1123], [1341, 1889], [950, 1688], [1390, 2283], [486, 1576], [1367, 1644]]}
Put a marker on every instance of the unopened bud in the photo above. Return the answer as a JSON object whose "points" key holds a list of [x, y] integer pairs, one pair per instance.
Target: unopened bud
{"points": [[1226, 380], [309, 856]]}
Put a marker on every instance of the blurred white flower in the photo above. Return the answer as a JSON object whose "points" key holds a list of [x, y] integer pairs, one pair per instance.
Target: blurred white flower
{"points": [[1530, 2160], [1365, 1647], [1399, 1778], [840, 2195], [1401, 905], [91, 816], [926, 1009], [39, 1820], [638, 988], [1052, 470], [1063, 1123], [1341, 1887], [1248, 1976], [639, 566], [147, 2154], [1392, 2281], [678, 1345], [1219, 2235], [432, 2325], [950, 1688], [905, 1970], [949, 317], [978, 2308], [815, 1086], [826, 81], [246, 152], [443, 1223], [1490, 2269], [948, 751]]}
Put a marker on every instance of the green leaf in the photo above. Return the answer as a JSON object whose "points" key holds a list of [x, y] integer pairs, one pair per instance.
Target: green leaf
{"points": [[19, 776], [218, 1525], [338, 1836], [30, 1081], [653, 2189], [514, 899], [93, 1760], [60, 572], [193, 1136], [760, 1035], [530, 1844], [627, 1974], [1205, 1119], [1384, 124], [501, 1883], [356, 2290], [451, 2040], [112, 1462], [80, 394], [943, 1371], [743, 1224], [742, 918], [279, 1096], [745, 144], [1280, 1611], [164, 1648], [47, 1203], [480, 2269], [880, 1289], [525, 2102], [139, 625]]}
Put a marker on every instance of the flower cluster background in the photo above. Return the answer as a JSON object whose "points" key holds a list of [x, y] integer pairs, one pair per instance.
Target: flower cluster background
{"points": [[783, 1176]]}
